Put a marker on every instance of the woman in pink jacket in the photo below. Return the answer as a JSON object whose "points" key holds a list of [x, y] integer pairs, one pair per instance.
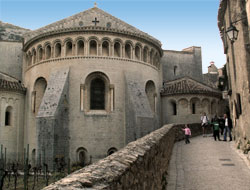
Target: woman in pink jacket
{"points": [[187, 133]]}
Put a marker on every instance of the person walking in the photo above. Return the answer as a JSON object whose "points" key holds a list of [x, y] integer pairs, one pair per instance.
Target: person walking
{"points": [[204, 123], [187, 134], [228, 127], [216, 129]]}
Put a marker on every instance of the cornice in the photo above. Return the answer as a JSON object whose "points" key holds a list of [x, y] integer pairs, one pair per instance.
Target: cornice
{"points": [[90, 57]]}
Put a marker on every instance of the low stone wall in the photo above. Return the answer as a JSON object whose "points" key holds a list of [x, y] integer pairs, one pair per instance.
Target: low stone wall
{"points": [[142, 164]]}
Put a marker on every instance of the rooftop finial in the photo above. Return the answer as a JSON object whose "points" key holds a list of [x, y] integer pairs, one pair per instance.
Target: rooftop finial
{"points": [[95, 4]]}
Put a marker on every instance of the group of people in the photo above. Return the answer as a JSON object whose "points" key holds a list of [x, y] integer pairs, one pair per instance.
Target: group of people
{"points": [[220, 125]]}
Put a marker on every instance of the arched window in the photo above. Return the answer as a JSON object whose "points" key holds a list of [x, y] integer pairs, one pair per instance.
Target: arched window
{"points": [[40, 54], [145, 55], [105, 48], [80, 47], [69, 48], [8, 116], [58, 50], [82, 156], [29, 58], [48, 52], [97, 94], [128, 51], [195, 105], [137, 53], [39, 90], [175, 70], [111, 151], [92, 47], [33, 157], [117, 49], [151, 94]]}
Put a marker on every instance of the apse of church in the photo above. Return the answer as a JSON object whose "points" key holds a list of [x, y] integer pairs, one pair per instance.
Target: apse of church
{"points": [[93, 83]]}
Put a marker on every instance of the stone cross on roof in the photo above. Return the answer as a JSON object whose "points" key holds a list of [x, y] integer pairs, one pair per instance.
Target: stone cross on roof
{"points": [[95, 21]]}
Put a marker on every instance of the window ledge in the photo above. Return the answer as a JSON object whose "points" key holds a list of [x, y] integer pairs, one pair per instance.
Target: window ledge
{"points": [[97, 113]]}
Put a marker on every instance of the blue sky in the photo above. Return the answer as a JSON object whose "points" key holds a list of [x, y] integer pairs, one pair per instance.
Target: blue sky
{"points": [[178, 24]]}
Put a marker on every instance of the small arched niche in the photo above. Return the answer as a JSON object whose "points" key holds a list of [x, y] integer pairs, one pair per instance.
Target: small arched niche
{"points": [[137, 53], [117, 49], [105, 48], [80, 47], [151, 94], [92, 47], [145, 54], [128, 51], [34, 56], [195, 105], [173, 107], [48, 52], [69, 48], [58, 50], [40, 54]]}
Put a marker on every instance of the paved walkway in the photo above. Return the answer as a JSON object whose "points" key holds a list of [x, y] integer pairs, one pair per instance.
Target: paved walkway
{"points": [[205, 164]]}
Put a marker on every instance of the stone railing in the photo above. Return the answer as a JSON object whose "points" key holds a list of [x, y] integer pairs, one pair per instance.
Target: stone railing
{"points": [[142, 164]]}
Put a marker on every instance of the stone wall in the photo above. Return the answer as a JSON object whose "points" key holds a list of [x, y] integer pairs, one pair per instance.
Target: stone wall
{"points": [[178, 64], [11, 64], [238, 68], [142, 164]]}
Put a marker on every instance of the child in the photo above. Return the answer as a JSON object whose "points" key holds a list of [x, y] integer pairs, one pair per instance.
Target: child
{"points": [[187, 133]]}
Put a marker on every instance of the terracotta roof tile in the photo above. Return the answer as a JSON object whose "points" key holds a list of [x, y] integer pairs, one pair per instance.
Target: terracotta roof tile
{"points": [[187, 86], [12, 86]]}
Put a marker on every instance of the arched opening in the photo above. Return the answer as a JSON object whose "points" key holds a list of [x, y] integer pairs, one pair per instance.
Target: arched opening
{"points": [[80, 47], [82, 156], [92, 47], [137, 53], [8, 116], [34, 56], [145, 55], [128, 51], [33, 157], [105, 48], [97, 94], [39, 89], [69, 48], [29, 58], [48, 52], [151, 57], [111, 151], [173, 107], [40, 54], [58, 50], [117, 49], [150, 91]]}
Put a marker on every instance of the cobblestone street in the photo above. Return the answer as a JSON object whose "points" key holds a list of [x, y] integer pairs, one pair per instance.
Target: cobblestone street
{"points": [[205, 164]]}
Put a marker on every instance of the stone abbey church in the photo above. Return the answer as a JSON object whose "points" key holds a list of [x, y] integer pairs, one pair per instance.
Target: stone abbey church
{"points": [[85, 86]]}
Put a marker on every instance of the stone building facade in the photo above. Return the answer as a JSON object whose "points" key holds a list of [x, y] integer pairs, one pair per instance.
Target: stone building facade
{"points": [[93, 83], [236, 13]]}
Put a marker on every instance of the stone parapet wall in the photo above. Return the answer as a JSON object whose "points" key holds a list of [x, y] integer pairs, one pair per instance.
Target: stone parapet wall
{"points": [[142, 164]]}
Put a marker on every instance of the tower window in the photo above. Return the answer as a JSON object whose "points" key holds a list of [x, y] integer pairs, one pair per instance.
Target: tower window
{"points": [[8, 116], [193, 108]]}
